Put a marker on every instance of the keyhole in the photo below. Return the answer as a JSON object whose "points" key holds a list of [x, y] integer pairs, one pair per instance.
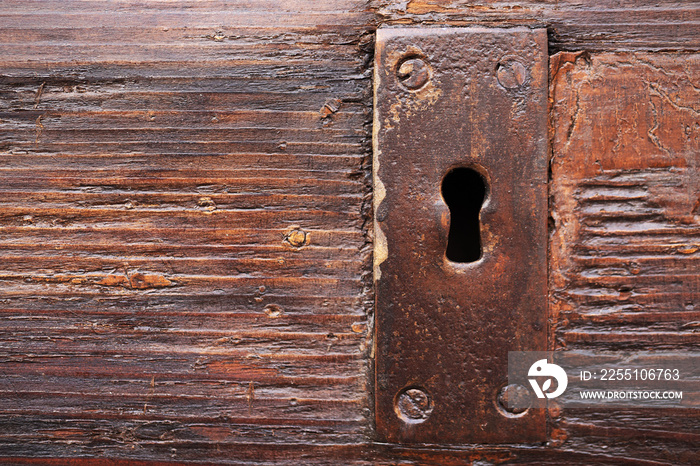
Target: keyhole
{"points": [[464, 190]]}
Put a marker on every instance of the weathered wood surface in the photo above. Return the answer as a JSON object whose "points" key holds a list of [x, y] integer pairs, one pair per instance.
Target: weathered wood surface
{"points": [[573, 24], [155, 156], [154, 159], [626, 237]]}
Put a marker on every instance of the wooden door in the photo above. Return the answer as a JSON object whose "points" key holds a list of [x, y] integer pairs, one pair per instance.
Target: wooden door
{"points": [[186, 226]]}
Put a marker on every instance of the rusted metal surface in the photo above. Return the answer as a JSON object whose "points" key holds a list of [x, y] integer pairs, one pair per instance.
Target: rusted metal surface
{"points": [[447, 98]]}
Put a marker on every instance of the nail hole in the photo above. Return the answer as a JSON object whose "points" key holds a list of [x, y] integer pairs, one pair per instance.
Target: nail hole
{"points": [[464, 191]]}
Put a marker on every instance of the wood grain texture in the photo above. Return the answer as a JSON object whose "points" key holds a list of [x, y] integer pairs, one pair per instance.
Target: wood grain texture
{"points": [[183, 229], [624, 249], [573, 24], [159, 160]]}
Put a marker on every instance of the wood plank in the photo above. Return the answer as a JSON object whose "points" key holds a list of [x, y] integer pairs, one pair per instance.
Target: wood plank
{"points": [[624, 250], [154, 158], [122, 125], [601, 25]]}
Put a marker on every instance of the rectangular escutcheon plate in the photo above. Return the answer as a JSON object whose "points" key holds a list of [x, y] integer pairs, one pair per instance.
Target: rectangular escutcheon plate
{"points": [[460, 260]]}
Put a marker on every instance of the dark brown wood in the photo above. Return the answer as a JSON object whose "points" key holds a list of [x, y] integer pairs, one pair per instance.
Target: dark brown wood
{"points": [[162, 161], [573, 24]]}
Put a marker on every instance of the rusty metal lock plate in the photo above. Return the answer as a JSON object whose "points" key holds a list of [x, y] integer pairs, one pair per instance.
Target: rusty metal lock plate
{"points": [[460, 177]]}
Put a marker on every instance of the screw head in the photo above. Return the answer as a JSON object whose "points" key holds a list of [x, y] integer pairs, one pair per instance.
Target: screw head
{"points": [[514, 399], [512, 74], [413, 405], [296, 237], [413, 73]]}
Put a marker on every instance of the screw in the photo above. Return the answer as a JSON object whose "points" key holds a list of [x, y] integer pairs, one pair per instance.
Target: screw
{"points": [[413, 73], [512, 74], [413, 405], [514, 399], [296, 237]]}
